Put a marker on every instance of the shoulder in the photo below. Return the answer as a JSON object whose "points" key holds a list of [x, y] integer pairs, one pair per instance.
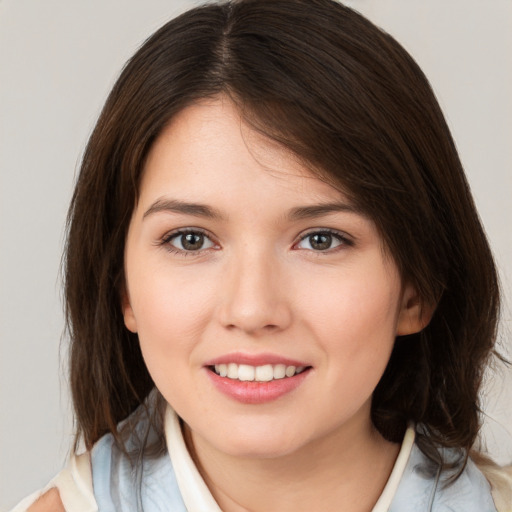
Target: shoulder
{"points": [[424, 486], [134, 472], [48, 502], [70, 490], [500, 479], [471, 488]]}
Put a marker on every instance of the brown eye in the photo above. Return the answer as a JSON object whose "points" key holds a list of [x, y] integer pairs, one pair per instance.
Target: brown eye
{"points": [[192, 241], [322, 241], [189, 241]]}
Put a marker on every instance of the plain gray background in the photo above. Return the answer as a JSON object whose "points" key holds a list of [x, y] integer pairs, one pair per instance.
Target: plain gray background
{"points": [[58, 60]]}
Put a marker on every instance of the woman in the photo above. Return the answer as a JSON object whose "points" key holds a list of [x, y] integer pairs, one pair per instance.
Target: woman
{"points": [[276, 279]]}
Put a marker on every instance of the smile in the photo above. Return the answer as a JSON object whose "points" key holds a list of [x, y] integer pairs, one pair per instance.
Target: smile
{"points": [[264, 373], [256, 379]]}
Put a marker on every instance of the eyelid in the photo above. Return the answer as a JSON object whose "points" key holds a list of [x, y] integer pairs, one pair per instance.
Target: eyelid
{"points": [[184, 231], [166, 239], [344, 238]]}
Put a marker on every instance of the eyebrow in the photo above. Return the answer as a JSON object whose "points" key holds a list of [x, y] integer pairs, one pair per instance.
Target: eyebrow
{"points": [[319, 210], [202, 210], [175, 206]]}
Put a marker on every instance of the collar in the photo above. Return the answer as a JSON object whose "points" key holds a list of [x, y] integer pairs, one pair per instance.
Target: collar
{"points": [[384, 502], [194, 491]]}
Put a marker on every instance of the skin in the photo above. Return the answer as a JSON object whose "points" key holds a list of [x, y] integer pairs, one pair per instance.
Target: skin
{"points": [[259, 284], [49, 502]]}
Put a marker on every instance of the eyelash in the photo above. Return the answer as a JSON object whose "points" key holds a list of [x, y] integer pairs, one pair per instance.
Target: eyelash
{"points": [[341, 237], [344, 240], [166, 241]]}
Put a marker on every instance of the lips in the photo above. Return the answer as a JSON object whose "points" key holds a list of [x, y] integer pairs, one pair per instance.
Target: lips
{"points": [[256, 379]]}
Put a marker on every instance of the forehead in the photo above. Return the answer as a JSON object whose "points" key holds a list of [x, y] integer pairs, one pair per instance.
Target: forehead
{"points": [[208, 150]]}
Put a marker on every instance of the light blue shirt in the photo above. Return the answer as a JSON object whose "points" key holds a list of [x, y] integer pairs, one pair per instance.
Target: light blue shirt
{"points": [[153, 487]]}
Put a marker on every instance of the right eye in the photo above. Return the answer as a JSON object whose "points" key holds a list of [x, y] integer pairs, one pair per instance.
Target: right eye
{"points": [[185, 241]]}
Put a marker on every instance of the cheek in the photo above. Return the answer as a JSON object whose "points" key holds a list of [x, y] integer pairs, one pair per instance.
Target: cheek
{"points": [[171, 310], [355, 317], [171, 313]]}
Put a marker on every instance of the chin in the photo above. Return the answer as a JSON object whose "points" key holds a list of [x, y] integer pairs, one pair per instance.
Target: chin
{"points": [[265, 442]]}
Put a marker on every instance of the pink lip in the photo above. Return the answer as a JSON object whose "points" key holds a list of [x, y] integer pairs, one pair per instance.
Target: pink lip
{"points": [[253, 392], [255, 360]]}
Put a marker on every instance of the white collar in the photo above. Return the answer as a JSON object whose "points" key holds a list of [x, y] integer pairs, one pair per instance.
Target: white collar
{"points": [[384, 502], [195, 493], [197, 496]]}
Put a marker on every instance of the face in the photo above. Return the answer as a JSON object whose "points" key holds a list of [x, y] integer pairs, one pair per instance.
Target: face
{"points": [[265, 304]]}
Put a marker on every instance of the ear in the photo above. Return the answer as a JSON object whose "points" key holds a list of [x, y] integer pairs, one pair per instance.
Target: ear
{"points": [[129, 317], [414, 314]]}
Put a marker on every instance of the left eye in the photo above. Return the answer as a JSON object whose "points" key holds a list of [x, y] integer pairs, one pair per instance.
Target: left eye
{"points": [[189, 241], [321, 241]]}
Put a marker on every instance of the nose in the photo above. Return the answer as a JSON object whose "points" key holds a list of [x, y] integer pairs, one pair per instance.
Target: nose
{"points": [[254, 295]]}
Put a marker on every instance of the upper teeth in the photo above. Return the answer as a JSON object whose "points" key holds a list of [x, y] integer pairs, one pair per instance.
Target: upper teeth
{"points": [[263, 373]]}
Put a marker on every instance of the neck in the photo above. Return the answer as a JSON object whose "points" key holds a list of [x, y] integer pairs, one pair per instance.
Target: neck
{"points": [[346, 470]]}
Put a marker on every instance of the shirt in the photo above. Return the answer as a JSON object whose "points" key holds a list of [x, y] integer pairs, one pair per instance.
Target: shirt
{"points": [[105, 480]]}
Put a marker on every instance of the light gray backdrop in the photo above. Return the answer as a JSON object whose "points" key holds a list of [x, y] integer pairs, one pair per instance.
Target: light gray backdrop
{"points": [[58, 60]]}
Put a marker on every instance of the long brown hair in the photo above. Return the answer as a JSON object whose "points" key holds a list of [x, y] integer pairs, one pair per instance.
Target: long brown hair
{"points": [[349, 101]]}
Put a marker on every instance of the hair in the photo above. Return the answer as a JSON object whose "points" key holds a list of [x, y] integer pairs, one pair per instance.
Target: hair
{"points": [[352, 104]]}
